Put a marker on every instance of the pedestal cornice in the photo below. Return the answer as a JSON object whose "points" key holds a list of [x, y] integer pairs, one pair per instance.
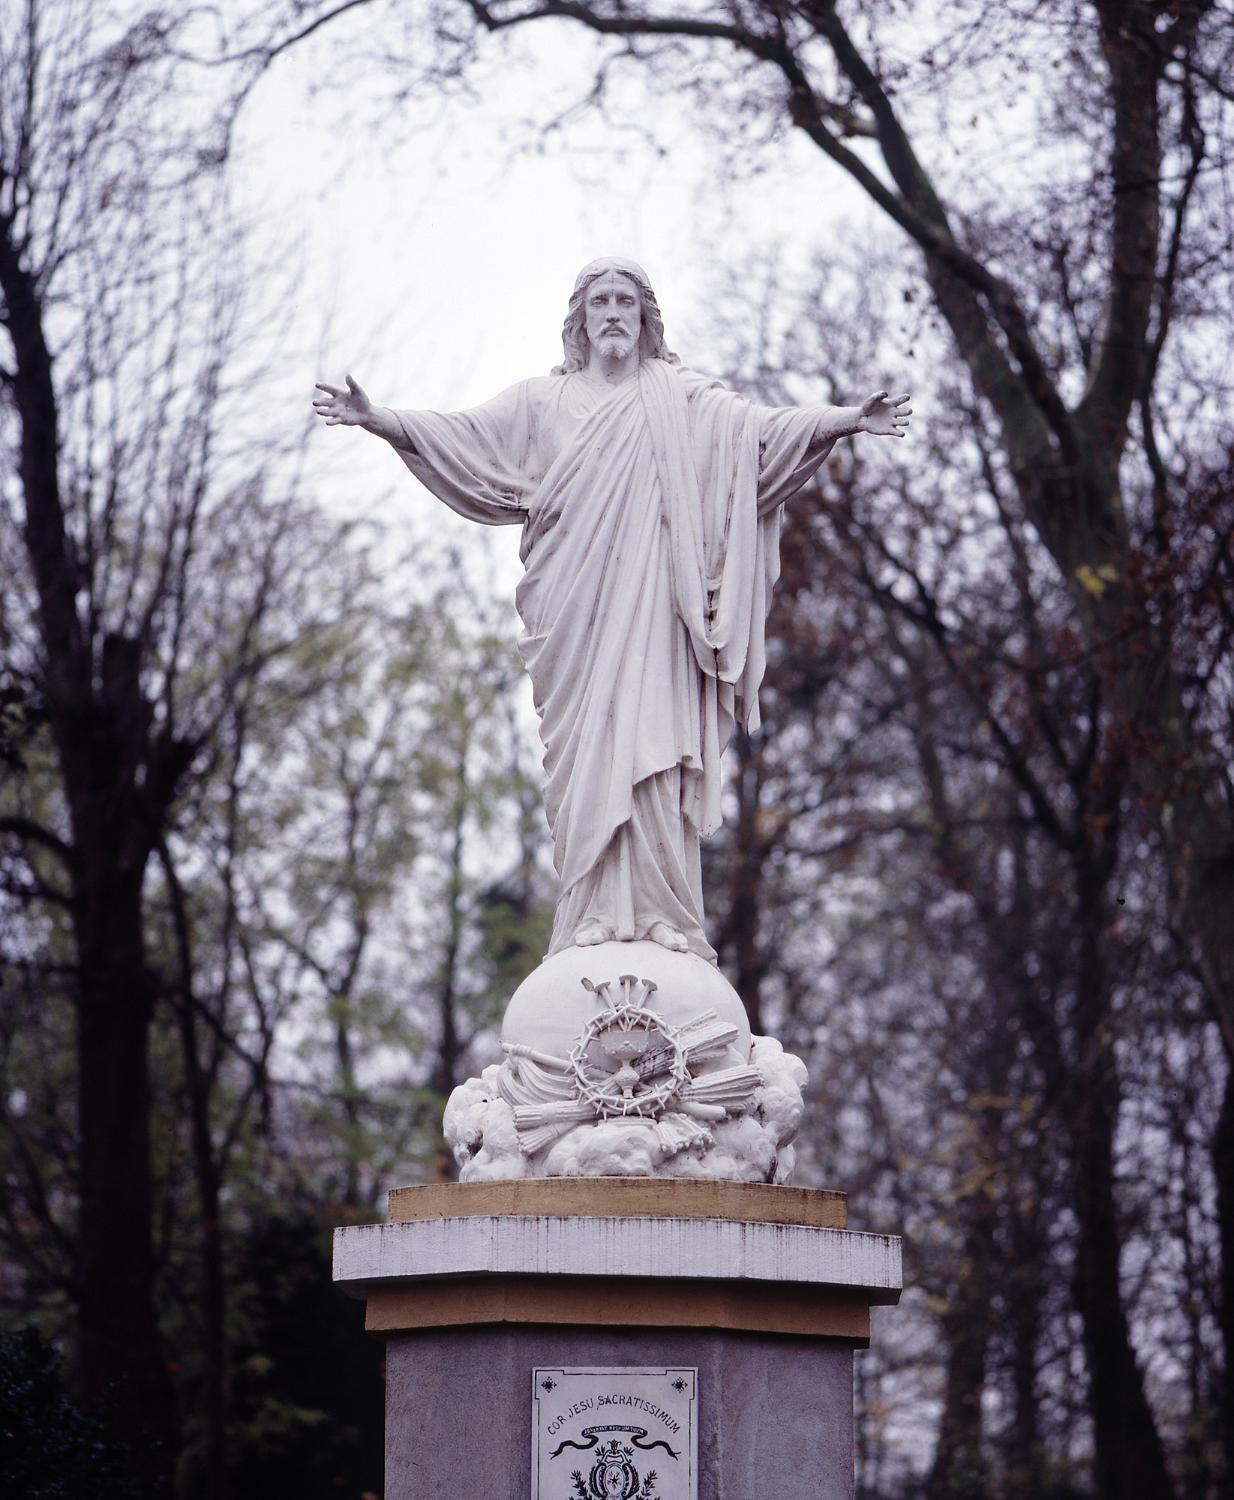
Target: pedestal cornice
{"points": [[619, 1252], [671, 1249]]}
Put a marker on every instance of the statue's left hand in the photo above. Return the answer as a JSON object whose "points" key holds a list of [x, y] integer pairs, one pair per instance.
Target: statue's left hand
{"points": [[346, 408], [884, 415]]}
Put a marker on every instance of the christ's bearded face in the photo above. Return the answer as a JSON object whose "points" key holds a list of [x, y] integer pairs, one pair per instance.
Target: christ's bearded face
{"points": [[614, 314]]}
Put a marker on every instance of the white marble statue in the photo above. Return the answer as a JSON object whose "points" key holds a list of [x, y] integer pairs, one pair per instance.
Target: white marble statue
{"points": [[649, 498]]}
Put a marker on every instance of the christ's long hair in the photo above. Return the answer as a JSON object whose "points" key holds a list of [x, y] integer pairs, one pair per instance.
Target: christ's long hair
{"points": [[574, 339]]}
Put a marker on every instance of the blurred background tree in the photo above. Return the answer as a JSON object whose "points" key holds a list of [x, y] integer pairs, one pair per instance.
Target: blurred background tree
{"points": [[271, 850]]}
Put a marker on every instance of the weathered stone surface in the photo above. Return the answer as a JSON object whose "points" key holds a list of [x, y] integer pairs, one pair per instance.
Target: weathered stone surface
{"points": [[774, 1412], [686, 1249]]}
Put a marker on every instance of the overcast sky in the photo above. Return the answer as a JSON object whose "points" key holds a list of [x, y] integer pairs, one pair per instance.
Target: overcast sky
{"points": [[436, 246]]}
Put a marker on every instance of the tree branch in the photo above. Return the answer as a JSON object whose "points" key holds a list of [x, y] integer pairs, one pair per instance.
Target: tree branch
{"points": [[32, 832], [1135, 59], [1026, 400]]}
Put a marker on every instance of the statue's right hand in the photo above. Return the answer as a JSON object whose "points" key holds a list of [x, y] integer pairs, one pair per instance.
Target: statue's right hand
{"points": [[348, 408]]}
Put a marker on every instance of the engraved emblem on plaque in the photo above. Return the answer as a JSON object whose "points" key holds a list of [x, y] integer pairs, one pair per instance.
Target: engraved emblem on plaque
{"points": [[614, 1434]]}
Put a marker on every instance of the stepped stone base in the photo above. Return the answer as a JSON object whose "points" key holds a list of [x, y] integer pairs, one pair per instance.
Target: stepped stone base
{"points": [[760, 1290]]}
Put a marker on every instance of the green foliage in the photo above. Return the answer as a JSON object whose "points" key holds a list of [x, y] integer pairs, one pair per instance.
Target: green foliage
{"points": [[306, 1409], [21, 715], [49, 1448]]}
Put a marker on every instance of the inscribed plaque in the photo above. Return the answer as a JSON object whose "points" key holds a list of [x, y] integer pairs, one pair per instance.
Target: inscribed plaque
{"points": [[614, 1434]]}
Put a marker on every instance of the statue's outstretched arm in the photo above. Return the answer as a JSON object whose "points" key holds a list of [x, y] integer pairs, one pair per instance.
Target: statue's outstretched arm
{"points": [[352, 408], [881, 414]]}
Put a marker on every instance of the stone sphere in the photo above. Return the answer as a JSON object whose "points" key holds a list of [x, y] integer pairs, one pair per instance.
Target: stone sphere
{"points": [[551, 1007]]}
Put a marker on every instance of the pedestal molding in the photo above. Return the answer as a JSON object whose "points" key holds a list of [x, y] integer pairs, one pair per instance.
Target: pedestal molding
{"points": [[623, 1198], [619, 1302], [664, 1248]]}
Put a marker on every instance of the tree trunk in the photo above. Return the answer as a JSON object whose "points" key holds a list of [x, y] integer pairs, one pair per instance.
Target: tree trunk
{"points": [[199, 1083], [737, 937], [213, 1296], [101, 727], [1130, 1461], [119, 1360], [1023, 1467], [959, 1470], [349, 1095], [449, 1044], [1223, 1171]]}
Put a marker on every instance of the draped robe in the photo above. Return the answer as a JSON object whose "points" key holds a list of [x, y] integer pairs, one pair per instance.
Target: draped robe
{"points": [[650, 515]]}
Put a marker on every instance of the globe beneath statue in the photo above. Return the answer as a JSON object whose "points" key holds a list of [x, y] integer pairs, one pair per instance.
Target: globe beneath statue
{"points": [[629, 1059], [551, 1007]]}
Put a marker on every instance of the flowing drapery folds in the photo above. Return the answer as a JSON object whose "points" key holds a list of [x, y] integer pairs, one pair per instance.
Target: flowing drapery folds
{"points": [[650, 514]]}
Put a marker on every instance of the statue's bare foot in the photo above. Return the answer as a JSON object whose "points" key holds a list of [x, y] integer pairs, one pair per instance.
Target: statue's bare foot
{"points": [[587, 934], [667, 937]]}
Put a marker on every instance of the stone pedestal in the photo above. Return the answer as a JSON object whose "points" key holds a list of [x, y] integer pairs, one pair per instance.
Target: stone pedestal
{"points": [[761, 1294]]}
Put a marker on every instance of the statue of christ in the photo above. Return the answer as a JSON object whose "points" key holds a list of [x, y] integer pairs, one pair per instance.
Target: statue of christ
{"points": [[649, 498]]}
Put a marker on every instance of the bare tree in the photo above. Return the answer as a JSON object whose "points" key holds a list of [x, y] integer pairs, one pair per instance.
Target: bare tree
{"points": [[155, 581], [957, 908]]}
